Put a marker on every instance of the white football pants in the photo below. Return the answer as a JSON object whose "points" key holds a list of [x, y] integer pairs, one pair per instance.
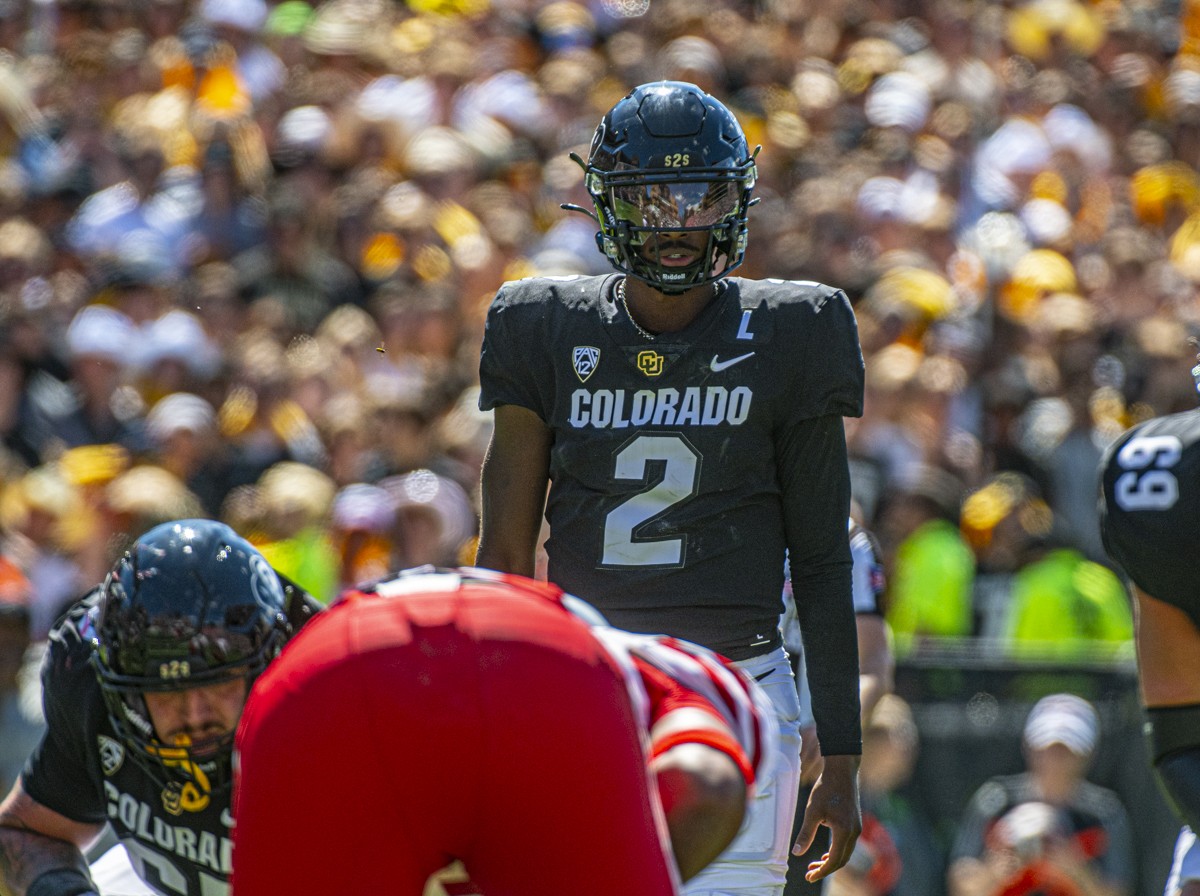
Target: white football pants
{"points": [[113, 875]]}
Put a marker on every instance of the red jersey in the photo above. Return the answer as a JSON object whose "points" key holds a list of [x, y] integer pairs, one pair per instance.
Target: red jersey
{"points": [[471, 715]]}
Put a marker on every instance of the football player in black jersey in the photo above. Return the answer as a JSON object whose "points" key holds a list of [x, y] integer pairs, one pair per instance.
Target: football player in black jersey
{"points": [[143, 686], [689, 427], [1149, 502]]}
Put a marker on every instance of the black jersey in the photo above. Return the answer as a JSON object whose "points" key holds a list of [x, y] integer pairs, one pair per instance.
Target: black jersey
{"points": [[706, 453], [1149, 505], [179, 843]]}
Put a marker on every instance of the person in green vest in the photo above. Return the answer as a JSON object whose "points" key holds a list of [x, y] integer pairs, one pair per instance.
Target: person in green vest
{"points": [[1064, 606], [932, 568]]}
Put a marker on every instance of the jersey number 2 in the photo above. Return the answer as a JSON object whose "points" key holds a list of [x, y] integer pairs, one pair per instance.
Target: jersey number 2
{"points": [[1148, 483], [680, 478]]}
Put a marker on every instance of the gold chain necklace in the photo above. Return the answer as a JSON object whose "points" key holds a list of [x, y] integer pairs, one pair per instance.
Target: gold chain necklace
{"points": [[645, 334]]}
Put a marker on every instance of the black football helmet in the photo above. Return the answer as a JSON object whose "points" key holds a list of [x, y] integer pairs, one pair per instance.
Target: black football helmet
{"points": [[190, 604], [670, 158]]}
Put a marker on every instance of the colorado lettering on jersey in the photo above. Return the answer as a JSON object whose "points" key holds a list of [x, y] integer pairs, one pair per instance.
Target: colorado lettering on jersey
{"points": [[694, 406], [201, 848]]}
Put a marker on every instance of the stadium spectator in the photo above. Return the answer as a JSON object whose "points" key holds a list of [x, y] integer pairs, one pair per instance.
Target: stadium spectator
{"points": [[100, 340], [435, 522], [44, 522], [139, 499], [362, 521], [174, 354], [930, 567], [1047, 829], [182, 432], [1064, 606], [1006, 192], [292, 526], [22, 422], [891, 745], [1038, 595], [292, 266]]}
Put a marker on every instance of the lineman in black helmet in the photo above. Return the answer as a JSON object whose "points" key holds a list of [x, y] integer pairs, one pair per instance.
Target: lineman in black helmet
{"points": [[143, 686]]}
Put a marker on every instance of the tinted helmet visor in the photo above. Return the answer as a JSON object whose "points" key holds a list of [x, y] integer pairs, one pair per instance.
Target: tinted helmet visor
{"points": [[676, 205]]}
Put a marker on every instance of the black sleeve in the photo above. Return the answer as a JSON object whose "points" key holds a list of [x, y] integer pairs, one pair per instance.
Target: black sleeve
{"points": [[57, 774], [830, 374], [1179, 774], [504, 373], [815, 478]]}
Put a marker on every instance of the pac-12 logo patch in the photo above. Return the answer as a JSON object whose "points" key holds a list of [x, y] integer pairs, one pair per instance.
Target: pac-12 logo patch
{"points": [[112, 754], [585, 359]]}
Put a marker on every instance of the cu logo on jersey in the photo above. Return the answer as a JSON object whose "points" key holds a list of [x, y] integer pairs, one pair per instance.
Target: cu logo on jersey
{"points": [[650, 362], [193, 796], [112, 754], [585, 359]]}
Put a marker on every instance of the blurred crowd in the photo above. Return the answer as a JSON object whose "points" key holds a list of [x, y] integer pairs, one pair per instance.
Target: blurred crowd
{"points": [[246, 248]]}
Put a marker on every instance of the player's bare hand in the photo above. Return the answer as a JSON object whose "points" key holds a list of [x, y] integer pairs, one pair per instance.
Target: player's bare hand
{"points": [[833, 803]]}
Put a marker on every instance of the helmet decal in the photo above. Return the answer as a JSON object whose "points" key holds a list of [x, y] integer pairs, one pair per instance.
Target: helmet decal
{"points": [[264, 582]]}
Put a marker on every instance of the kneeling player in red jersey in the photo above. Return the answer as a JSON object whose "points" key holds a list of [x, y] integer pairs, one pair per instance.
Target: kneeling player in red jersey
{"points": [[491, 719]]}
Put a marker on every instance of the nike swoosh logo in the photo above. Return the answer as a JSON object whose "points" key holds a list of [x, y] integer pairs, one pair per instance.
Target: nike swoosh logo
{"points": [[718, 365]]}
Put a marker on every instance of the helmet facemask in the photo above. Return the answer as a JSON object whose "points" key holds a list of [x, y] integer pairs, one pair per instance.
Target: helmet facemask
{"points": [[642, 212], [187, 772], [669, 162]]}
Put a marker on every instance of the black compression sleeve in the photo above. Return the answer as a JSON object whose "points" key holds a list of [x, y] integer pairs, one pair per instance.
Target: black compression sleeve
{"points": [[1179, 774], [1173, 736], [61, 882], [816, 481], [1171, 728]]}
